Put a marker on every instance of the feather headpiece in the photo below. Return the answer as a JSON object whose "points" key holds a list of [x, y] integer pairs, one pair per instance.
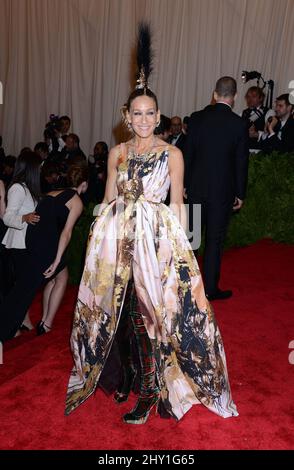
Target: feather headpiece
{"points": [[144, 55]]}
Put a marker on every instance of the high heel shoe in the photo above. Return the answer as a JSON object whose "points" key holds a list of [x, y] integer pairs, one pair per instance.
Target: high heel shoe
{"points": [[122, 394], [42, 328], [140, 413], [25, 327]]}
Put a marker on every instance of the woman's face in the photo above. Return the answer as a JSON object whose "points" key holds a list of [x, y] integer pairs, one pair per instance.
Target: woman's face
{"points": [[143, 116]]}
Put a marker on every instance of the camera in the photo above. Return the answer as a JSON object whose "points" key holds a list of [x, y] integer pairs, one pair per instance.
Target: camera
{"points": [[53, 127], [268, 85]]}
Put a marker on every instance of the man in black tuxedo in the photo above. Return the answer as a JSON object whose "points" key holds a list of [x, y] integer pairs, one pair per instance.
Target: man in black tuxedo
{"points": [[216, 168], [280, 128], [255, 115], [177, 136]]}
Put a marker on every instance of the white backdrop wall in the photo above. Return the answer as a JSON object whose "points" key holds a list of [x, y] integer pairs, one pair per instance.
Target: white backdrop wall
{"points": [[74, 57]]}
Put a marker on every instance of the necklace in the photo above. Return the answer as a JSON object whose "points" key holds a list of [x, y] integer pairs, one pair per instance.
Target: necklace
{"points": [[147, 152]]}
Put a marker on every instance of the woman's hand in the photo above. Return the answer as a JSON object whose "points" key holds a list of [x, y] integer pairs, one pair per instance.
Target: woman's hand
{"points": [[51, 270], [31, 218]]}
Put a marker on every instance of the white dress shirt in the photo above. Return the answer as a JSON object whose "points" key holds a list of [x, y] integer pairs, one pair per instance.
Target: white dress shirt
{"points": [[19, 203], [175, 139]]}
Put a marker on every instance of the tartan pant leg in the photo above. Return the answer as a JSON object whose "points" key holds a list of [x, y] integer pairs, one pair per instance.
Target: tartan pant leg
{"points": [[148, 386]]}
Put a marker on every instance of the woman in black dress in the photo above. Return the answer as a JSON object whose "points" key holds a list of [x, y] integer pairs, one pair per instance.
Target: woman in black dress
{"points": [[57, 273], [46, 243]]}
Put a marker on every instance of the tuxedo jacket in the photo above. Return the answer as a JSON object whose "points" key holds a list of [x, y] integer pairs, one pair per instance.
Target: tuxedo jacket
{"points": [[180, 144], [283, 144], [216, 155]]}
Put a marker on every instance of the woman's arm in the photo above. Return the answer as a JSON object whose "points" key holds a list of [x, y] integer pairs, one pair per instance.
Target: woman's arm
{"points": [[75, 210], [110, 189], [2, 199], [176, 172]]}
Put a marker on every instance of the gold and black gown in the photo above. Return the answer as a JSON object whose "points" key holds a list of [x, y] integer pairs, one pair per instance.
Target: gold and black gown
{"points": [[138, 236]]}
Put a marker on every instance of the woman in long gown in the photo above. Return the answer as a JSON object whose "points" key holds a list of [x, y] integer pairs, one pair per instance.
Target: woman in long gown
{"points": [[140, 266], [137, 237]]}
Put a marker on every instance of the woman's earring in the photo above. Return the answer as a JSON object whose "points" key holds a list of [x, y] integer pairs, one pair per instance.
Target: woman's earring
{"points": [[123, 111], [128, 125]]}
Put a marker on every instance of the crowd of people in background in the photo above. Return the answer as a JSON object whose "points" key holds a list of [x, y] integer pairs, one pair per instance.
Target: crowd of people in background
{"points": [[47, 169], [268, 130]]}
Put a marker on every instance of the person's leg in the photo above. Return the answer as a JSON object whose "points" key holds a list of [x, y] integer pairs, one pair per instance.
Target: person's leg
{"points": [[19, 259], [27, 324], [55, 296], [149, 391], [2, 273], [17, 302], [9, 270], [18, 264], [147, 360], [46, 297], [217, 219]]}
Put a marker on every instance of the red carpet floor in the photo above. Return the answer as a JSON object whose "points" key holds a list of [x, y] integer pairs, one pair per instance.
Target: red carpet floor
{"points": [[257, 325]]}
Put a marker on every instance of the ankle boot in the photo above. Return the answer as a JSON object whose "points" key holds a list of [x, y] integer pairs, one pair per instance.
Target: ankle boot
{"points": [[140, 413]]}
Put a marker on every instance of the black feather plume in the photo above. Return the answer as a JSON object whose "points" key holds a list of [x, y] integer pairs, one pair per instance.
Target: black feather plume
{"points": [[144, 51]]}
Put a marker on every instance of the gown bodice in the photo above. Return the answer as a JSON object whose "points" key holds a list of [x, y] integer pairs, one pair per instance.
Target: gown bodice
{"points": [[144, 177]]}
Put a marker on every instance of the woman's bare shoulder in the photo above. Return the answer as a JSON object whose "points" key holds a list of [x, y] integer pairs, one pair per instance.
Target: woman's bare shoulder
{"points": [[75, 203], [114, 156], [115, 152], [175, 159], [174, 152], [115, 149]]}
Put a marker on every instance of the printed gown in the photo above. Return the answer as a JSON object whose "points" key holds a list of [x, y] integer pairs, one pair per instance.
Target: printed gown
{"points": [[138, 236]]}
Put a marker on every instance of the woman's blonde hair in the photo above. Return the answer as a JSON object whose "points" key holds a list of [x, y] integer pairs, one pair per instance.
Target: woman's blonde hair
{"points": [[77, 174]]}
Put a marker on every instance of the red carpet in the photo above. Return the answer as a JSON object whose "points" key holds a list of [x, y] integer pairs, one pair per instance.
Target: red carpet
{"points": [[257, 325]]}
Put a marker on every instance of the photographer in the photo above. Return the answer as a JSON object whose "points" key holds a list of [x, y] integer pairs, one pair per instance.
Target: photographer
{"points": [[163, 129], [50, 177], [97, 172], [53, 134], [41, 148], [72, 151], [279, 129], [65, 122], [255, 115]]}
